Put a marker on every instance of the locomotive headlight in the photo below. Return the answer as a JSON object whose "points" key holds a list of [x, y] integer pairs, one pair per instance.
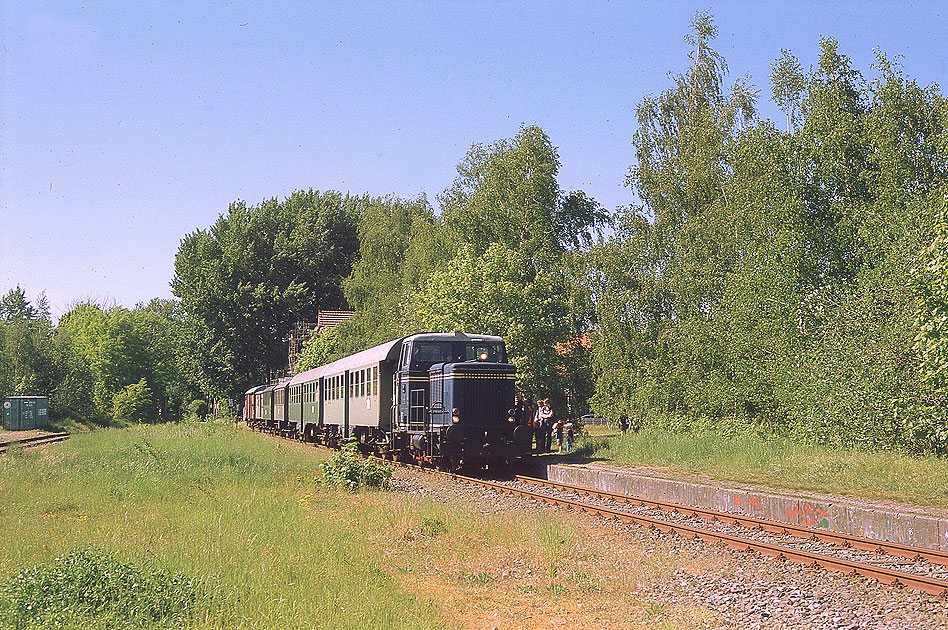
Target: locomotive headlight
{"points": [[482, 356], [455, 415], [511, 419]]}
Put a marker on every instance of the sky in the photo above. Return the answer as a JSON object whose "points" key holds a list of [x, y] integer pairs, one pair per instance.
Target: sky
{"points": [[125, 126]]}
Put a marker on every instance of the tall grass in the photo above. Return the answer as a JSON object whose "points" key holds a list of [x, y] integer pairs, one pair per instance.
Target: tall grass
{"points": [[745, 456], [234, 511]]}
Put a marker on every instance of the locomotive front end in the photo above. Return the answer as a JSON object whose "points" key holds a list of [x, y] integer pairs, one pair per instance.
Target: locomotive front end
{"points": [[470, 403]]}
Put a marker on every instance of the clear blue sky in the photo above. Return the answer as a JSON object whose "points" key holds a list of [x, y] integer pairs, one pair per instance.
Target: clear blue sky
{"points": [[126, 125]]}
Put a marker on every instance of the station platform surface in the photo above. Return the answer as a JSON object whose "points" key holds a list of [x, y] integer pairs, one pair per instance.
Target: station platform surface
{"points": [[917, 526]]}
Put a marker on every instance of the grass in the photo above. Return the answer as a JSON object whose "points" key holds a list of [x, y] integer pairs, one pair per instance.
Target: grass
{"points": [[232, 527], [777, 462], [223, 507]]}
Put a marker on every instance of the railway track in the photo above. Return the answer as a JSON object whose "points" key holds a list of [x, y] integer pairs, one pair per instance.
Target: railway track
{"points": [[33, 442], [769, 538], [831, 555], [844, 540]]}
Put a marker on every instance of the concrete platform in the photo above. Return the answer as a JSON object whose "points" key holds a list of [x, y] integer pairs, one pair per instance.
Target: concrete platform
{"points": [[903, 524]]}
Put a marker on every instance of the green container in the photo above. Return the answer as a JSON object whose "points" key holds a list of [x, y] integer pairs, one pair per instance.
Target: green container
{"points": [[23, 413]]}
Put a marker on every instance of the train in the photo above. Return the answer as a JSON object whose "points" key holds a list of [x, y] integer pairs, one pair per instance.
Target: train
{"points": [[441, 399]]}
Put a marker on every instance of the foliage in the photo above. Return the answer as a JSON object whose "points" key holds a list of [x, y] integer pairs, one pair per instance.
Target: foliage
{"points": [[90, 587], [764, 277], [246, 280], [399, 246], [113, 350], [507, 193], [349, 470], [320, 349], [930, 280], [197, 410], [497, 294], [134, 403], [29, 361], [518, 243]]}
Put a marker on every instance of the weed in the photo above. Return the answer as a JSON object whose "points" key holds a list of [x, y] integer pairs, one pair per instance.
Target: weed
{"points": [[347, 469], [481, 578], [433, 526], [92, 586]]}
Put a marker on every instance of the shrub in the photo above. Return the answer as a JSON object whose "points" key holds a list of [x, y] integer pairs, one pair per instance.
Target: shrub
{"points": [[347, 469], [91, 588], [197, 410], [134, 404]]}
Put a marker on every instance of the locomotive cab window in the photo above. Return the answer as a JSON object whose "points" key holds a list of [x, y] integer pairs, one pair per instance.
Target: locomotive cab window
{"points": [[426, 354], [490, 352]]}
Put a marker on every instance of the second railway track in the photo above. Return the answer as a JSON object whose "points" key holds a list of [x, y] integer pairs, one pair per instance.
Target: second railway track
{"points": [[33, 442]]}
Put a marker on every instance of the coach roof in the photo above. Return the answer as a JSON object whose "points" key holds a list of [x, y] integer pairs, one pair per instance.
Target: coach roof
{"points": [[385, 352]]}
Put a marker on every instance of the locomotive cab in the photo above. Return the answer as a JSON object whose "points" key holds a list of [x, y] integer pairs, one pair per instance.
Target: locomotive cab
{"points": [[454, 393]]}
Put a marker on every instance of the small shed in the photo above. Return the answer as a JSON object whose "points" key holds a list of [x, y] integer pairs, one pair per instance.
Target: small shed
{"points": [[23, 413]]}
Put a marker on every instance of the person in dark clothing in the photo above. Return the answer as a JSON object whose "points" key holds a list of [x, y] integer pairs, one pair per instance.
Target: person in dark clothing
{"points": [[539, 428], [545, 414]]}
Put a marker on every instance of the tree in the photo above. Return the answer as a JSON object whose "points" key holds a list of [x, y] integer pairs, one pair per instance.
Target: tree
{"points": [[399, 245], [134, 403], [507, 193], [244, 282], [764, 278], [497, 293], [788, 82], [27, 356]]}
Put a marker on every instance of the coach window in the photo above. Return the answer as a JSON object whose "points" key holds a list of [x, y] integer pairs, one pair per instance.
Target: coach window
{"points": [[362, 383], [375, 380]]}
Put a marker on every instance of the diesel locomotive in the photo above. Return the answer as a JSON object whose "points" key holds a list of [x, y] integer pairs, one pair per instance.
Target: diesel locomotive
{"points": [[438, 398]]}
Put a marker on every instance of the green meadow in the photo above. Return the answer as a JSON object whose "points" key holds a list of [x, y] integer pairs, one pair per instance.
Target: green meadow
{"points": [[233, 519]]}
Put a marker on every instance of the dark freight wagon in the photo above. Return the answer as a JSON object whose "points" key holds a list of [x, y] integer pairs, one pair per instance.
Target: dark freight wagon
{"points": [[23, 413]]}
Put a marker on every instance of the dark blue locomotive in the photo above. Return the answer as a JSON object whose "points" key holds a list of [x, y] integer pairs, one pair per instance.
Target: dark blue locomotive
{"points": [[444, 399]]}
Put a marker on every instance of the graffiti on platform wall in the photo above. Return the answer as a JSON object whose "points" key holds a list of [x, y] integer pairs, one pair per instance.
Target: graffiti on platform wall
{"points": [[751, 501], [808, 514]]}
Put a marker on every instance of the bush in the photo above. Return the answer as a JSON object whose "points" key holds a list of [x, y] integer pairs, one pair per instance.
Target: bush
{"points": [[134, 404], [91, 588], [197, 410], [347, 469]]}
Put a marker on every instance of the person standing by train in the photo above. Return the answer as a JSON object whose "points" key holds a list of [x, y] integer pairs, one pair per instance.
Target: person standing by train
{"points": [[549, 420], [558, 435], [538, 428]]}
